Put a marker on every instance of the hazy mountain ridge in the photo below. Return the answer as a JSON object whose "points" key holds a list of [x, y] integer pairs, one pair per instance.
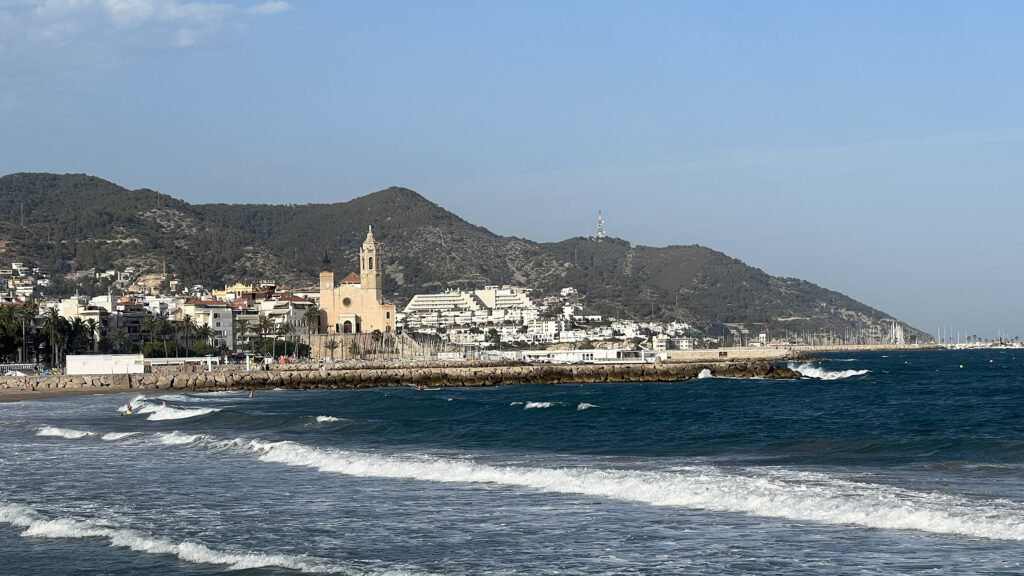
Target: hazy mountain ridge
{"points": [[77, 222]]}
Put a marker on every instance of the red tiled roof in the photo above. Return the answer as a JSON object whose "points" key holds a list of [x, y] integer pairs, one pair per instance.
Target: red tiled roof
{"points": [[352, 278], [291, 298], [205, 303]]}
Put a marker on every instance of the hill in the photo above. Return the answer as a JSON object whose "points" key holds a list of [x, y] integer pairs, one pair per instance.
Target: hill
{"points": [[73, 222]]}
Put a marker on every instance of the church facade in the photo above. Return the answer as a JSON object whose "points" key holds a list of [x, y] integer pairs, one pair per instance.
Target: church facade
{"points": [[356, 305]]}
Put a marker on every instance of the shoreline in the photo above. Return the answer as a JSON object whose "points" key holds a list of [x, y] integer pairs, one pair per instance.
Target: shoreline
{"points": [[460, 375]]}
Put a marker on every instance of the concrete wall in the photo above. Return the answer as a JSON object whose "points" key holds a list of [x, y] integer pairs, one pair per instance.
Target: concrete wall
{"points": [[739, 353], [80, 364]]}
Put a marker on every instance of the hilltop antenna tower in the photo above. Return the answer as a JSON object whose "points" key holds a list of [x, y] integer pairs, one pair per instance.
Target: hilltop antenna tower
{"points": [[600, 226]]}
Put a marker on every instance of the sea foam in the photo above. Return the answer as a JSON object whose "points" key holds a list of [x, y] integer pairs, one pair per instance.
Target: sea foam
{"points": [[114, 436], [36, 526], [69, 433], [811, 371], [176, 438], [159, 412], [777, 494]]}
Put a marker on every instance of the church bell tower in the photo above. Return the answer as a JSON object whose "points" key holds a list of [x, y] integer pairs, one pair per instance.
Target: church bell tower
{"points": [[369, 266]]}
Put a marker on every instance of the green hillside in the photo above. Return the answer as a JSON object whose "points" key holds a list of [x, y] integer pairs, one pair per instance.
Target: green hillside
{"points": [[73, 222]]}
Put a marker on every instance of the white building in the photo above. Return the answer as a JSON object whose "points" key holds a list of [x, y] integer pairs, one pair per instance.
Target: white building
{"points": [[592, 356], [98, 364]]}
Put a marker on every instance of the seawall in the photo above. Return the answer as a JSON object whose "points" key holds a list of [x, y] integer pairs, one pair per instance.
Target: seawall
{"points": [[426, 376]]}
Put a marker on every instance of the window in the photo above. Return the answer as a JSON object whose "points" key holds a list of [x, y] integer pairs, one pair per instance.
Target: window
{"points": [[346, 302], [216, 324], [371, 263], [388, 314]]}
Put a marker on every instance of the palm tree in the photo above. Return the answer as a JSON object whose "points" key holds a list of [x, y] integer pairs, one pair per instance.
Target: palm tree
{"points": [[92, 327], [377, 337], [56, 328], [150, 325], [265, 326], [332, 345], [311, 318], [284, 330], [241, 327], [26, 314], [205, 333], [77, 335], [188, 326], [119, 339]]}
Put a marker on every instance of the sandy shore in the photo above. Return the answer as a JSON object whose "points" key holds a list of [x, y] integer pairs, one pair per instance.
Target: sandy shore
{"points": [[17, 395]]}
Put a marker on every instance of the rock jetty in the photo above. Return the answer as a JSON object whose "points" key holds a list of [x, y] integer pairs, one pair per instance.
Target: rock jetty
{"points": [[435, 375]]}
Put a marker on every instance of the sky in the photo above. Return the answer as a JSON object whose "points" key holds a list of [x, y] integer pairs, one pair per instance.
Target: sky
{"points": [[872, 147]]}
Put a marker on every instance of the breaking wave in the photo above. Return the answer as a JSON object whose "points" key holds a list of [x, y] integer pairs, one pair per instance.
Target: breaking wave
{"points": [[328, 419], [63, 432], [159, 412], [114, 436], [776, 494], [764, 492], [705, 373], [135, 403], [37, 526], [176, 438], [586, 406], [812, 371], [534, 405]]}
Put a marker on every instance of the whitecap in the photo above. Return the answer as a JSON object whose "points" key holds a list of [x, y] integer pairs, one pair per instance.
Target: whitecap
{"points": [[586, 406], [811, 371], [114, 436], [68, 433], [328, 419], [705, 373], [160, 412], [533, 405], [176, 438], [35, 526], [778, 494]]}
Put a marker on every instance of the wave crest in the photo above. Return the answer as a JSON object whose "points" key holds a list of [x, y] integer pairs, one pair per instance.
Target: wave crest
{"points": [[35, 526], [777, 494], [818, 373], [159, 412], [68, 433]]}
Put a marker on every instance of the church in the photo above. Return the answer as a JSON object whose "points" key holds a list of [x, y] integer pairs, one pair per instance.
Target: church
{"points": [[356, 305]]}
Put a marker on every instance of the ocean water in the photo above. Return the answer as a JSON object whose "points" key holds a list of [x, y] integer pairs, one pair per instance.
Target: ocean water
{"points": [[892, 463]]}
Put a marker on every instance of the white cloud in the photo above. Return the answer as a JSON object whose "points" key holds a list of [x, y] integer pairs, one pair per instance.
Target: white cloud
{"points": [[270, 7], [46, 43], [193, 19]]}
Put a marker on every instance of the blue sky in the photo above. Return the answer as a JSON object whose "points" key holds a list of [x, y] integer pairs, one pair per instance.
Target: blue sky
{"points": [[871, 147]]}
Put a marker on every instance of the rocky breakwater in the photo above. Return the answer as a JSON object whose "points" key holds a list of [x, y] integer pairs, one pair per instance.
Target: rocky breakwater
{"points": [[437, 375]]}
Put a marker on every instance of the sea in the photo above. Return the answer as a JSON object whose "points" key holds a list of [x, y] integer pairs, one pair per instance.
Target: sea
{"points": [[876, 463]]}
